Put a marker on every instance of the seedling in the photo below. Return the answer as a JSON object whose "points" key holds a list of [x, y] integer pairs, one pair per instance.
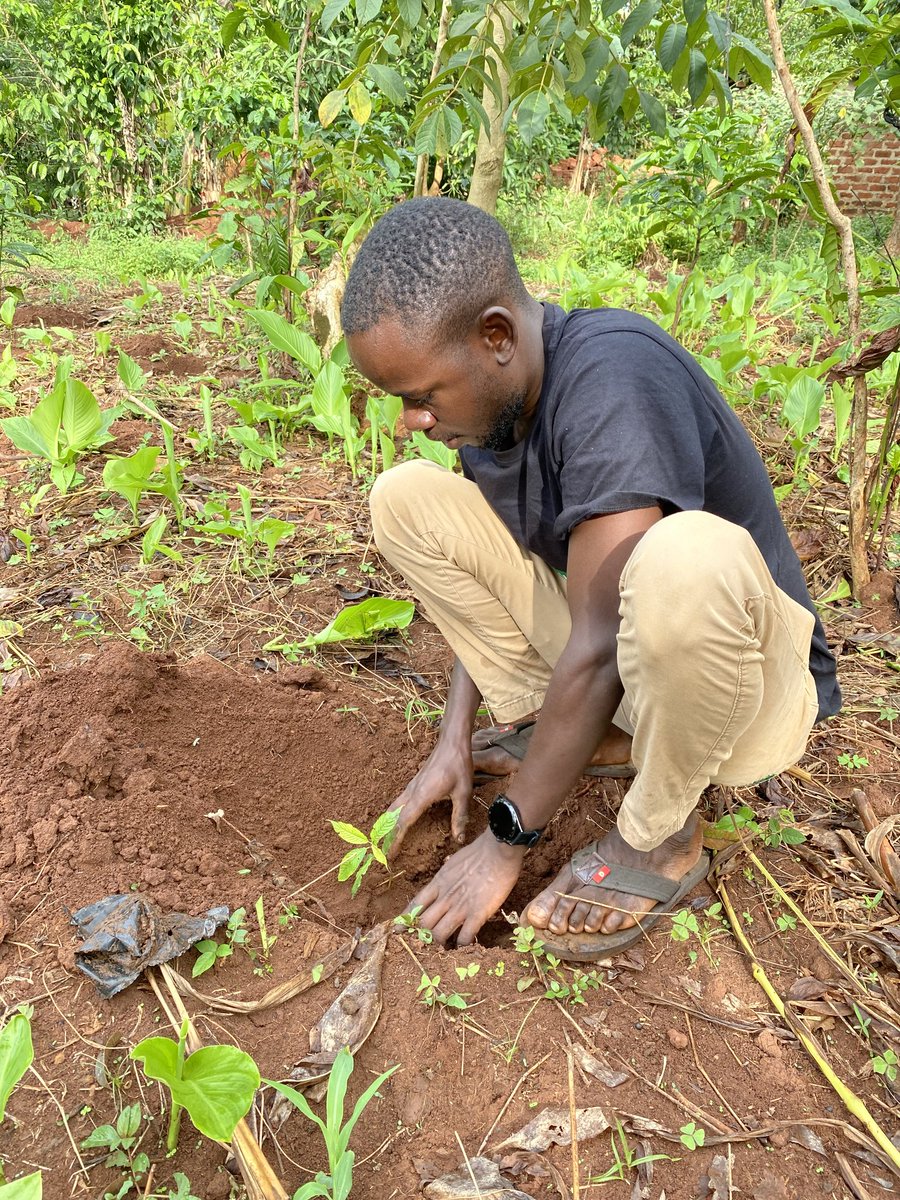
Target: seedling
{"points": [[548, 969], [852, 762], [367, 848], [886, 1064], [215, 1084], [120, 1141], [247, 529], [685, 926], [786, 921], [625, 1159], [152, 543], [16, 1056], [430, 994], [469, 971], [410, 921], [337, 1184], [63, 425], [209, 952], [266, 942], [357, 623], [692, 1136]]}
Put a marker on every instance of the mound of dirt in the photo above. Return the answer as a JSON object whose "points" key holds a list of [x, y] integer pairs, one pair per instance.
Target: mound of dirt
{"points": [[52, 315]]}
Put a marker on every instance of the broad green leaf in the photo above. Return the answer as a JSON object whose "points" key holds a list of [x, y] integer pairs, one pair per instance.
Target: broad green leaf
{"points": [[386, 824], [654, 112], [388, 81], [367, 11], [286, 337], [152, 538], [271, 530], [349, 833], [698, 72], [351, 862], [410, 12], [46, 417], [130, 477], [276, 33], [134, 378], [8, 310], [610, 7], [103, 1135], [360, 102], [672, 42], [231, 23], [81, 418], [639, 17], [693, 10], [531, 115], [359, 622], [331, 105], [29, 1187], [16, 1055], [613, 90], [23, 435], [217, 1086], [331, 12], [803, 405]]}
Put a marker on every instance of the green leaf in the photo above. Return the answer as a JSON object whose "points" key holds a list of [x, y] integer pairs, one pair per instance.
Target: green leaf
{"points": [[698, 72], [367, 11], [16, 1055], [531, 115], [331, 12], [386, 824], [410, 12], [103, 1135], [231, 23], [693, 10], [349, 833], [360, 102], [613, 90], [638, 19], [440, 130], [23, 435], [129, 1121], [654, 112], [216, 1087], [271, 530], [287, 338], [672, 42], [276, 33], [609, 8], [359, 622], [203, 963], [388, 81], [351, 862], [130, 477], [331, 105], [133, 377], [81, 418], [29, 1187], [803, 405]]}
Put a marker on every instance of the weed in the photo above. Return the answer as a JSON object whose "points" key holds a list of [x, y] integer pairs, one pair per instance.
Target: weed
{"points": [[410, 920], [547, 968], [685, 925], [886, 1064], [430, 994], [338, 1183], [692, 1136], [852, 762], [121, 1142], [625, 1159], [786, 921], [367, 847]]}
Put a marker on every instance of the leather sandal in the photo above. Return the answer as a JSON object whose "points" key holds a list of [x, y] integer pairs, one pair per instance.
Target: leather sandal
{"points": [[514, 739]]}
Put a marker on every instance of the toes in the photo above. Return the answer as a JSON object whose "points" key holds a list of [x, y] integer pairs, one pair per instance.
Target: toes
{"points": [[562, 914], [579, 917]]}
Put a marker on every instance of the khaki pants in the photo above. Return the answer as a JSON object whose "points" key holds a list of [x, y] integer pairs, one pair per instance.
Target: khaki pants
{"points": [[712, 655]]}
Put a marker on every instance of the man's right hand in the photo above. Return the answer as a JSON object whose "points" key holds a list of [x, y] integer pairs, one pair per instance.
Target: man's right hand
{"points": [[448, 772]]}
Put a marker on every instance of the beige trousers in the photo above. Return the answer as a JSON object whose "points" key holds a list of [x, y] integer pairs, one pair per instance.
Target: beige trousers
{"points": [[712, 655]]}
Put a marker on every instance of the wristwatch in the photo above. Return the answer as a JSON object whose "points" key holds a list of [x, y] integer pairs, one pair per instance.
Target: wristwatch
{"points": [[506, 824]]}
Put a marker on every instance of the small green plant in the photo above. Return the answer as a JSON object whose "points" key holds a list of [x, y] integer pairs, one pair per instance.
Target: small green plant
{"points": [[570, 988], [852, 762], [430, 994], [625, 1158], [410, 920], [873, 901], [886, 1064], [210, 951], [121, 1142], [785, 922], [131, 477], [469, 971], [215, 1084], [367, 847], [65, 424], [781, 830], [692, 1136], [16, 1056], [152, 542], [338, 1183], [250, 531], [355, 623], [684, 926]]}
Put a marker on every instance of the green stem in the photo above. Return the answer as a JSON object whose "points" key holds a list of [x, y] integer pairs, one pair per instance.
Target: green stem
{"points": [[175, 1115], [172, 472]]}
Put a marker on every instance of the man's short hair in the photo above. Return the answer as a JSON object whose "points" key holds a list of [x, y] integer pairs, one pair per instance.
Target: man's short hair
{"points": [[435, 265]]}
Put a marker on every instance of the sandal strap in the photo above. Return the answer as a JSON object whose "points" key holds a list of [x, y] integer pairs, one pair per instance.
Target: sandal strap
{"points": [[591, 869]]}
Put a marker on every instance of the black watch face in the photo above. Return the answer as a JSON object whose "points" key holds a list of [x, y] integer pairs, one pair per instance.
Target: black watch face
{"points": [[502, 820]]}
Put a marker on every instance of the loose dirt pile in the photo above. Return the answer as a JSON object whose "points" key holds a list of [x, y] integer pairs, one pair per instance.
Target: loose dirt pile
{"points": [[198, 785]]}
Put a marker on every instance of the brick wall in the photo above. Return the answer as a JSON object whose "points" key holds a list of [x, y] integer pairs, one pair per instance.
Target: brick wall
{"points": [[866, 172]]}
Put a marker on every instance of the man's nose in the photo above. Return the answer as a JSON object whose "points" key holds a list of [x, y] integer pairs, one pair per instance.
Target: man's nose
{"points": [[418, 418]]}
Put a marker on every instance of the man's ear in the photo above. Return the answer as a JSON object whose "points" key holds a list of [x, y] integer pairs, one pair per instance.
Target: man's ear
{"points": [[498, 331]]}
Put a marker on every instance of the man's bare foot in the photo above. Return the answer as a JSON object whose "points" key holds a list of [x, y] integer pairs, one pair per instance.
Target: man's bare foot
{"points": [[569, 906], [614, 750]]}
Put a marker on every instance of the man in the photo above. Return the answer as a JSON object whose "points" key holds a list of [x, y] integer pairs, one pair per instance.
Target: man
{"points": [[612, 559]]}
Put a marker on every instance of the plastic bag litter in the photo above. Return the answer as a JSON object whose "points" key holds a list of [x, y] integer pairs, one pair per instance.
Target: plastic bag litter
{"points": [[123, 935]]}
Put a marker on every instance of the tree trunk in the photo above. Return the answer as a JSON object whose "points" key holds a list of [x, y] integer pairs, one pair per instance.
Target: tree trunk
{"points": [[859, 564], [892, 245], [420, 187], [487, 176]]}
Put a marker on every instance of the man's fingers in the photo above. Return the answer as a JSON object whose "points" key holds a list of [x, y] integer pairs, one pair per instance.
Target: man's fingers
{"points": [[460, 816]]}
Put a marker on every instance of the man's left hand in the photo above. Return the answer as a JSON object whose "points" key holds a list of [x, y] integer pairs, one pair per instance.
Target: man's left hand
{"points": [[468, 889]]}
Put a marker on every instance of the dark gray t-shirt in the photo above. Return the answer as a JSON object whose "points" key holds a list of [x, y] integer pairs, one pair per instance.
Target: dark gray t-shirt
{"points": [[627, 419]]}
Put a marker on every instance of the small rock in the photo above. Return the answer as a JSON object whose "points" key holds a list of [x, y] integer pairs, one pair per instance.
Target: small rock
{"points": [[677, 1039], [769, 1044], [780, 1138]]}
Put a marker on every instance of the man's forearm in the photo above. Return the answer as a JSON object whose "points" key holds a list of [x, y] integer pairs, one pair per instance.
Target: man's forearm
{"points": [[462, 704], [580, 703]]}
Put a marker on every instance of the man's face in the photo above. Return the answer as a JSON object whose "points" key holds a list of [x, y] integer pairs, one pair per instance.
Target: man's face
{"points": [[459, 395]]}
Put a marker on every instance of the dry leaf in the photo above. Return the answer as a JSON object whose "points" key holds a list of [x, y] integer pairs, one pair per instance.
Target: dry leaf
{"points": [[598, 1067], [770, 1187], [719, 1176], [477, 1177], [551, 1127], [807, 989]]}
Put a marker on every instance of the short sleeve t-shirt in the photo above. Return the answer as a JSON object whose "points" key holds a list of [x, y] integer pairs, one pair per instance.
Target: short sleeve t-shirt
{"points": [[627, 419]]}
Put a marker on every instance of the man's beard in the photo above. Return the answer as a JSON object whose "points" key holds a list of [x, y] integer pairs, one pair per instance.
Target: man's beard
{"points": [[500, 434]]}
